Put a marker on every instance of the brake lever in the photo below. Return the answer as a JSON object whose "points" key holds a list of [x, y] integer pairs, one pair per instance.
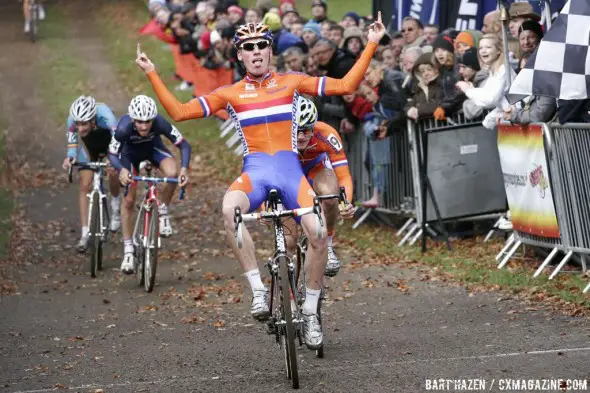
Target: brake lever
{"points": [[317, 209], [70, 169], [182, 190]]}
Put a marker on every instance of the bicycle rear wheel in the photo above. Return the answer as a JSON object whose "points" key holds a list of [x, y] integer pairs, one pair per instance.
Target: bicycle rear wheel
{"points": [[95, 243], [34, 14], [289, 327], [151, 251]]}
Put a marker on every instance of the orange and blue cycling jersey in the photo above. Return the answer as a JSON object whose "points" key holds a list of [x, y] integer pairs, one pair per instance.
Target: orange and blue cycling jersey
{"points": [[326, 151], [263, 113]]}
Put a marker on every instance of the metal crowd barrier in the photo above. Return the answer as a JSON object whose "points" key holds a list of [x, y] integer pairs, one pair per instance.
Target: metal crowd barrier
{"points": [[565, 152]]}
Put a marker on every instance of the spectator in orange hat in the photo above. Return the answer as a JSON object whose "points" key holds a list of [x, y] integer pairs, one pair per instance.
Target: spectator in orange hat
{"points": [[466, 40]]}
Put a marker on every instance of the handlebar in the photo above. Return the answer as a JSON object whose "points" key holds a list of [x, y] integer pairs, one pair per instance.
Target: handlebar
{"points": [[240, 218], [341, 196], [93, 165], [157, 180]]}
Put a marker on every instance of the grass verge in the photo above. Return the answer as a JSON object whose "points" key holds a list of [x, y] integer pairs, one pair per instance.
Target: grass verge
{"points": [[68, 77], [472, 263]]}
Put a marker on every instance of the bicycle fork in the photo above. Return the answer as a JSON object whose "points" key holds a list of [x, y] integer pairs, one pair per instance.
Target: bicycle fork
{"points": [[96, 189]]}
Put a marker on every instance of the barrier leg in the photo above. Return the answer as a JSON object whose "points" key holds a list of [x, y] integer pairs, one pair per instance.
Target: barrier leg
{"points": [[430, 230], [362, 218], [506, 246], [510, 254], [238, 151], [404, 227], [546, 262], [561, 264], [584, 267], [408, 234], [233, 140], [416, 237], [226, 128], [586, 289], [491, 232]]}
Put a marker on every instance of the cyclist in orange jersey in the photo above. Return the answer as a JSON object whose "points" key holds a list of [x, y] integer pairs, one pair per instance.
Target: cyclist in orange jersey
{"points": [[324, 163], [262, 108]]}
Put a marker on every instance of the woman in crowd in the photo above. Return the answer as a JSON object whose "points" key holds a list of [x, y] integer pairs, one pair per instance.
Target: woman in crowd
{"points": [[490, 95], [354, 41]]}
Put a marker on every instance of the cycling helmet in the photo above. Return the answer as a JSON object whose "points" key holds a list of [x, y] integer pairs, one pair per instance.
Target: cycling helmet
{"points": [[143, 108], [83, 109], [251, 31], [307, 113]]}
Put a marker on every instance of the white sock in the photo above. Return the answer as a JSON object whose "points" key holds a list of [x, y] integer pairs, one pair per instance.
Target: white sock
{"points": [[128, 246], [85, 231], [329, 241], [116, 203], [255, 280], [163, 209], [312, 297]]}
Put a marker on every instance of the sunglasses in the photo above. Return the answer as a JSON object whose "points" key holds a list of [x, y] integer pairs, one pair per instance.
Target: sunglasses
{"points": [[408, 29], [250, 46], [305, 131]]}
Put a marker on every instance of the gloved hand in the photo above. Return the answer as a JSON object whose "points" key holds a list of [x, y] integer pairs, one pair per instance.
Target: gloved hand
{"points": [[439, 114]]}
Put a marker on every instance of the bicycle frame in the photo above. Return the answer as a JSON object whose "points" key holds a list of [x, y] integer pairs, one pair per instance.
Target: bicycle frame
{"points": [[97, 168], [145, 208]]}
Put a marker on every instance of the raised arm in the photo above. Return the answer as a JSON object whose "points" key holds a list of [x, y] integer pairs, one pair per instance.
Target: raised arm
{"points": [[72, 135], [194, 109], [348, 84]]}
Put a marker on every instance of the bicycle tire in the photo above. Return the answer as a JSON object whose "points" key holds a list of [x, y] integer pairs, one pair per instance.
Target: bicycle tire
{"points": [[94, 235], [140, 252], [289, 327], [319, 353], [34, 22], [104, 232], [151, 251]]}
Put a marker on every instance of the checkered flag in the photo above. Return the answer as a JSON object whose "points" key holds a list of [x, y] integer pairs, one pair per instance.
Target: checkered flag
{"points": [[560, 66]]}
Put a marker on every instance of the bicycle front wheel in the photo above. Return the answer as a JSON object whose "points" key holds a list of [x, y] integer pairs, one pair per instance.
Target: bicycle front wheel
{"points": [[34, 22], [151, 251], [289, 327], [95, 243]]}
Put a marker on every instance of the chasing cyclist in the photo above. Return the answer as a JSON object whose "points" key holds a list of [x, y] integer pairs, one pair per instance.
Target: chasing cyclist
{"points": [[262, 106], [324, 163], [90, 128], [27, 13], [137, 139]]}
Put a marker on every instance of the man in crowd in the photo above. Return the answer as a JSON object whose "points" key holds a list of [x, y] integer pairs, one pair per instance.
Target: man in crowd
{"points": [[492, 23], [412, 31], [430, 33]]}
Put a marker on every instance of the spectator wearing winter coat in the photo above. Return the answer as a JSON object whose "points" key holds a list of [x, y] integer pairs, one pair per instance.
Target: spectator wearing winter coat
{"points": [[431, 97], [354, 41], [471, 72], [490, 95], [430, 33], [532, 109], [294, 59], [336, 35], [519, 13], [412, 30], [288, 17], [444, 53]]}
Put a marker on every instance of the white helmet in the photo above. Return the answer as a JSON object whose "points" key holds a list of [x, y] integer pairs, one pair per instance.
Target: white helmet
{"points": [[307, 113], [143, 108], [83, 109]]}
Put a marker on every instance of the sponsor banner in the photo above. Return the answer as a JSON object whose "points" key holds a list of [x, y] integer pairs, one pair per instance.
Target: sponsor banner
{"points": [[425, 10], [526, 179]]}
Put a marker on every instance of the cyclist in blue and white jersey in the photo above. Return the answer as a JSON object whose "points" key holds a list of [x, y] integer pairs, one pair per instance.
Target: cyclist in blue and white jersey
{"points": [[138, 139], [90, 128]]}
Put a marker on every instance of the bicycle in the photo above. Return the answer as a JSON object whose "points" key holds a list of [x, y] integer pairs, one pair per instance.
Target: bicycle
{"points": [[300, 267], [98, 212], [284, 322], [34, 19], [146, 232]]}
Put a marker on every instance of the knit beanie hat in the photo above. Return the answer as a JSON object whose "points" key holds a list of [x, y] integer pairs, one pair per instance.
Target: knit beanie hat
{"points": [[470, 59], [444, 42], [354, 16], [314, 27], [532, 26], [272, 20]]}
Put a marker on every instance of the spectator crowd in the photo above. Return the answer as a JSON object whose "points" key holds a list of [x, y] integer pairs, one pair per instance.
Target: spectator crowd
{"points": [[417, 73]]}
